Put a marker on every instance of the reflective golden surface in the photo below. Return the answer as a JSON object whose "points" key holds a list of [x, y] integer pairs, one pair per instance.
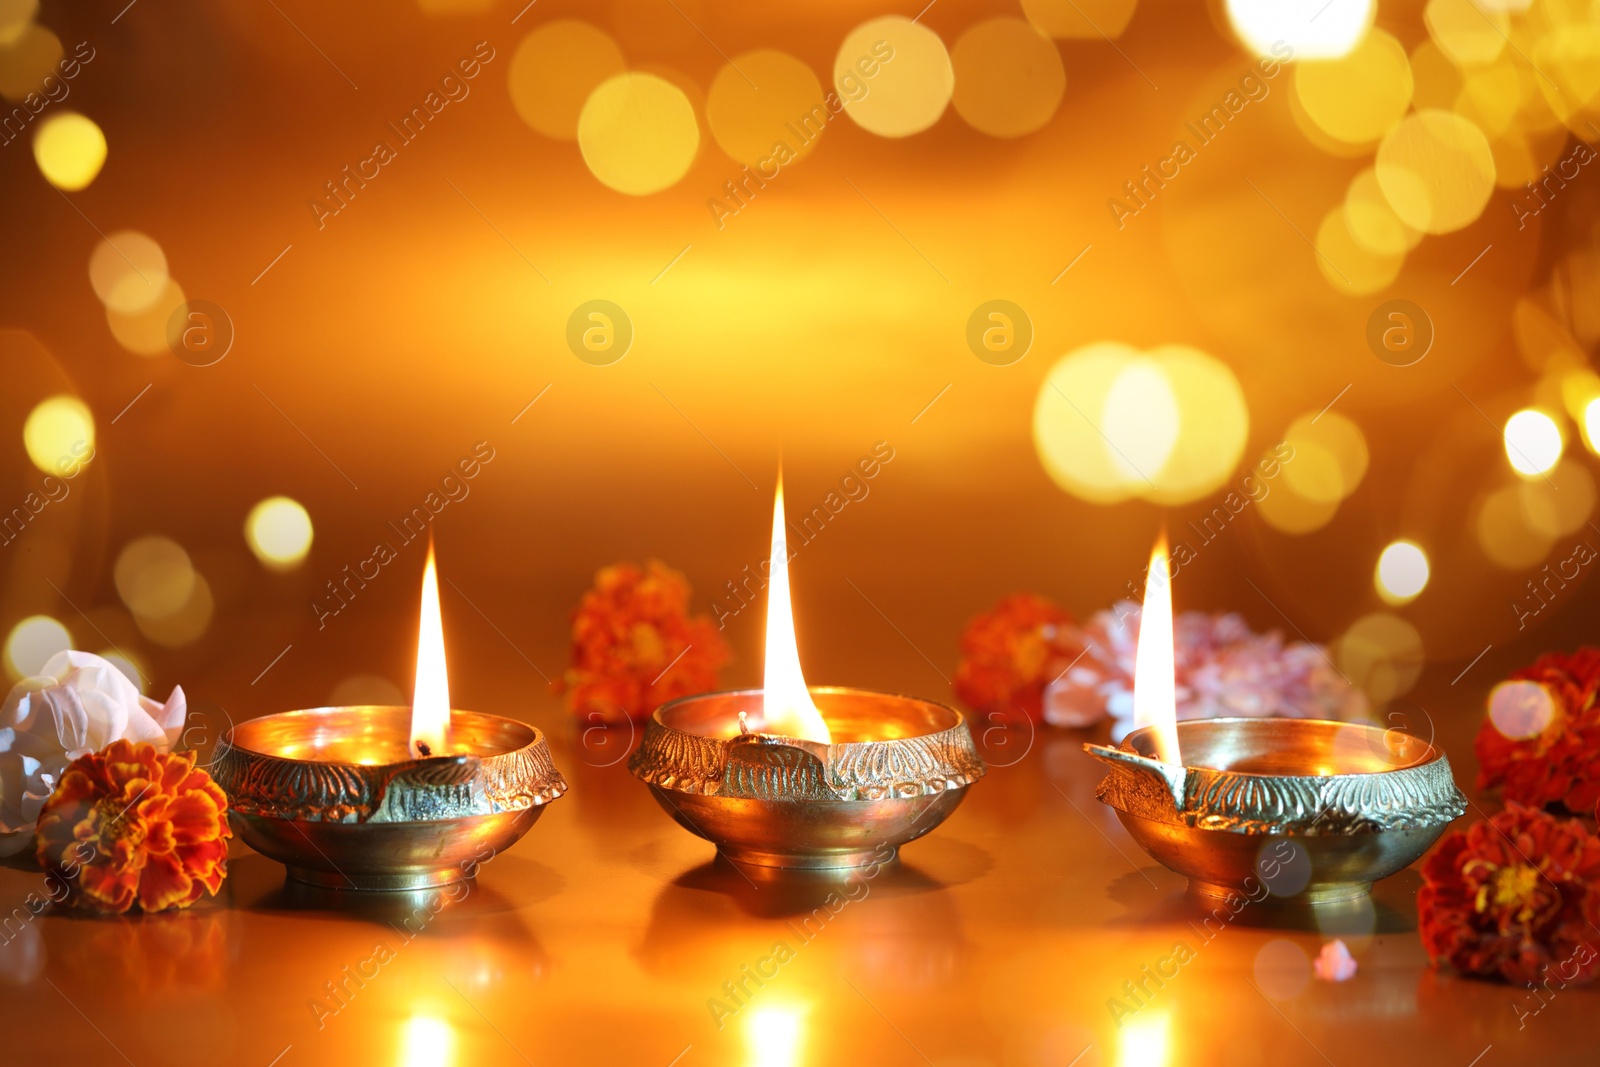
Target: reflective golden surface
{"points": [[606, 937]]}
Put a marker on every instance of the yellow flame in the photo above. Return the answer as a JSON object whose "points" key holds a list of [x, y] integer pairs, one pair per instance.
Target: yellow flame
{"points": [[430, 702], [1155, 696], [786, 703]]}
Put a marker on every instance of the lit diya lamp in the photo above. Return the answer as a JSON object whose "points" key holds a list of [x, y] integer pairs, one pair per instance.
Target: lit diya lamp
{"points": [[795, 776], [1209, 798], [387, 797]]}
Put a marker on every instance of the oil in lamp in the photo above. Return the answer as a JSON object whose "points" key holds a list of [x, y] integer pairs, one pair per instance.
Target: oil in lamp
{"points": [[1204, 797], [387, 798], [791, 775]]}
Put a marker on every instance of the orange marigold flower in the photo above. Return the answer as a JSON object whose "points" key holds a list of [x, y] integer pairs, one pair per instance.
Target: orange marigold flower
{"points": [[1009, 655], [129, 825], [1561, 763], [635, 646]]}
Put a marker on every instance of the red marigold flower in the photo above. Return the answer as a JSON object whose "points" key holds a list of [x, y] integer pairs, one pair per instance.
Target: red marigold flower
{"points": [[1561, 762], [635, 646], [129, 825], [1009, 655], [1517, 896]]}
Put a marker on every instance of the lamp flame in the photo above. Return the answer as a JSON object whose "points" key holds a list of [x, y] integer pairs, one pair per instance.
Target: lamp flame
{"points": [[787, 706], [430, 702], [1155, 688]]}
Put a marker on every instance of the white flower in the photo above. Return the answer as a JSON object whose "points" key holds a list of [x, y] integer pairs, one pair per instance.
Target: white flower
{"points": [[79, 704]]}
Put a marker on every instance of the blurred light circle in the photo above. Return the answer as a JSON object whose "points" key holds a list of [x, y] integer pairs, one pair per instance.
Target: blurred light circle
{"points": [[1591, 425], [278, 531], [910, 81], [1213, 425], [58, 433], [1282, 969], [1402, 572], [1288, 512], [1314, 29], [145, 332], [25, 61], [638, 133], [1330, 457], [1008, 77], [1071, 400], [764, 100], [15, 18], [1372, 222], [1562, 508], [554, 70], [1533, 442], [1112, 422], [128, 271], [1470, 32], [1360, 96], [364, 689], [131, 666], [1491, 97], [1382, 656], [187, 624], [1521, 709], [70, 150], [1505, 534], [154, 577], [1568, 59], [1436, 171], [1347, 264], [33, 641], [1080, 19]]}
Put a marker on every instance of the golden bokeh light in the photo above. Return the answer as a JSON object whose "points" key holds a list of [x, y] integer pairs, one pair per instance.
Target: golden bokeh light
{"points": [[1349, 265], [154, 577], [1080, 19], [1435, 81], [1505, 534], [1402, 572], [278, 531], [1111, 422], [775, 1035], [15, 18], [762, 100], [1361, 96], [1288, 512], [1330, 457], [426, 1041], [144, 332], [1521, 709], [26, 60], [1381, 654], [187, 624], [128, 271], [638, 133], [132, 667], [1560, 505], [1469, 32], [1591, 425], [1145, 1040], [32, 642], [895, 75], [1372, 222], [58, 433], [1436, 171], [1533, 442], [1491, 97], [1314, 29], [1009, 78], [553, 71], [1568, 60], [70, 150]]}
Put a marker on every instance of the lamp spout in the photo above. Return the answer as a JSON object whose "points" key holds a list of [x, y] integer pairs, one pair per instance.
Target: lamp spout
{"points": [[1136, 774]]}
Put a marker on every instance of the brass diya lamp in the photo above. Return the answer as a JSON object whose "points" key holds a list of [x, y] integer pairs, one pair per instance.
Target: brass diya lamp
{"points": [[795, 776], [1206, 798], [387, 798]]}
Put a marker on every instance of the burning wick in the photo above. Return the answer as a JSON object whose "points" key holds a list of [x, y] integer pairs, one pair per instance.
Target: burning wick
{"points": [[1155, 688], [430, 702], [744, 725]]}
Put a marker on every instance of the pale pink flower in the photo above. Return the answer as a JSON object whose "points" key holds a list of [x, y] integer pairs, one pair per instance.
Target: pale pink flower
{"points": [[1334, 963]]}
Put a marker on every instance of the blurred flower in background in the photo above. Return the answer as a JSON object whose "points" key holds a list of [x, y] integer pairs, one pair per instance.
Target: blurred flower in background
{"points": [[1541, 741], [635, 646], [1011, 653]]}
